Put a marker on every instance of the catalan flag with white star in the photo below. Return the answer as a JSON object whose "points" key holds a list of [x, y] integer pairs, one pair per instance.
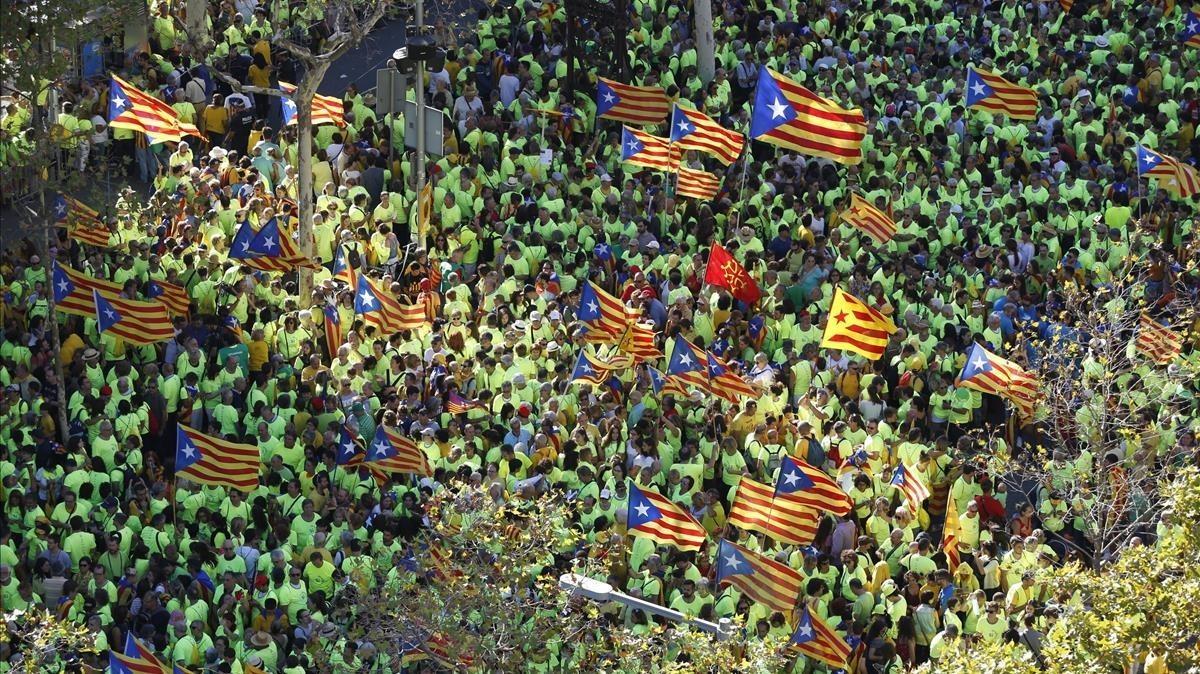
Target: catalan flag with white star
{"points": [[808, 486], [986, 372], [992, 93], [605, 316], [694, 130], [774, 585], [1159, 342], [854, 326], [133, 109], [83, 223], [1172, 175], [214, 461], [172, 296], [910, 483], [590, 369], [380, 308], [725, 383], [631, 104], [391, 452], [139, 323], [1191, 29], [870, 220], [654, 516], [639, 148], [817, 640], [788, 115], [73, 290], [325, 109]]}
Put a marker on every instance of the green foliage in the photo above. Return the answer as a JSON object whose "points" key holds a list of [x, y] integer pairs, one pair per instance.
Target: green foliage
{"points": [[1138, 610], [44, 643]]}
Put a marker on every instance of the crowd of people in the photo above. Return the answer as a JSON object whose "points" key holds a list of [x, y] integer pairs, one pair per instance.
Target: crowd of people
{"points": [[996, 217]]}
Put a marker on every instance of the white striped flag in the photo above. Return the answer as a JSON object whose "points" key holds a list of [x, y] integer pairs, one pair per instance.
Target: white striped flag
{"points": [[631, 104], [870, 220], [697, 184], [1157, 341], [986, 372], [639, 148], [653, 516], [992, 93], [755, 508], [694, 130]]}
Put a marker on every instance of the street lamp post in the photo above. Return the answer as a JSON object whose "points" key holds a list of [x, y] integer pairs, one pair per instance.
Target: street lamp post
{"points": [[602, 592]]}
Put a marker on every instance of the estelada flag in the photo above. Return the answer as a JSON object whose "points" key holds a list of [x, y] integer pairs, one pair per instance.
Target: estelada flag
{"points": [[854, 326], [725, 271]]}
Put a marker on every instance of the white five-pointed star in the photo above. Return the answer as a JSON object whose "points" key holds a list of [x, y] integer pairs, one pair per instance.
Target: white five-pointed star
{"points": [[608, 97], [683, 127], [733, 562], [245, 246], [592, 307], [63, 286], [61, 210], [367, 299], [979, 363], [633, 145], [805, 629], [978, 89], [188, 451], [790, 479], [585, 368], [685, 359], [777, 109], [1193, 27], [269, 243], [643, 510], [110, 314], [119, 102], [380, 448], [1148, 159]]}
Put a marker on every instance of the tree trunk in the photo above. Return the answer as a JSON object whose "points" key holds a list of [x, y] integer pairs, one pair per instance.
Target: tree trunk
{"points": [[306, 88], [705, 59]]}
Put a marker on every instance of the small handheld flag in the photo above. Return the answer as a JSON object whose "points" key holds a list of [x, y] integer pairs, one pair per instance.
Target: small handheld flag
{"points": [[1172, 175], [590, 370], [325, 109], [1191, 29], [173, 297], [910, 483]]}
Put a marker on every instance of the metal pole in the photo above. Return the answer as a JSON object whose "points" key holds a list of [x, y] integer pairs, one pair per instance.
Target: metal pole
{"points": [[603, 592], [420, 108]]}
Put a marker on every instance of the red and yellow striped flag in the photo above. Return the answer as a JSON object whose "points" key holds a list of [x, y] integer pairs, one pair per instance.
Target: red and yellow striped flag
{"points": [[854, 326], [653, 516], [755, 508], [774, 585], [133, 109], [213, 461], [694, 130], [870, 220], [135, 322], [173, 297], [629, 103], [639, 148], [951, 533], [992, 93], [697, 184], [325, 109], [1157, 341], [788, 115]]}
